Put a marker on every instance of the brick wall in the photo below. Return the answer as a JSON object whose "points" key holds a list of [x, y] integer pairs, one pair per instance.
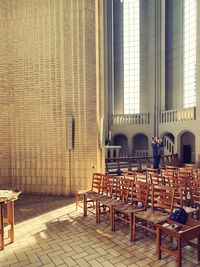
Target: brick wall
{"points": [[5, 163], [52, 74]]}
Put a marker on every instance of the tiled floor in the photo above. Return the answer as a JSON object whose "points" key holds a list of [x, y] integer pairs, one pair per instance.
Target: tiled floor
{"points": [[50, 232]]}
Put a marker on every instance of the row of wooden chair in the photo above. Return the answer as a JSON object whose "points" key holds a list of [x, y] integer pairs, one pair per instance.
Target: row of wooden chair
{"points": [[124, 197], [185, 186], [187, 191], [127, 199], [193, 171]]}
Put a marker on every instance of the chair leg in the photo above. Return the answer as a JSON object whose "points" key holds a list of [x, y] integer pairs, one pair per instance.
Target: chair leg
{"points": [[85, 205], [76, 201], [131, 218], [10, 217], [97, 211], [198, 214], [133, 228], [198, 247], [112, 218], [158, 243], [1, 228], [179, 252]]}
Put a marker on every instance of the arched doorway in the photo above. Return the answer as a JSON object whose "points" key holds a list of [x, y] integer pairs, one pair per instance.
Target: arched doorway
{"points": [[121, 140], [140, 145], [187, 147]]}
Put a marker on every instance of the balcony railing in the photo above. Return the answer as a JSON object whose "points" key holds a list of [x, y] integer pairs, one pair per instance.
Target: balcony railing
{"points": [[117, 166], [141, 153], [185, 114], [131, 119], [112, 151]]}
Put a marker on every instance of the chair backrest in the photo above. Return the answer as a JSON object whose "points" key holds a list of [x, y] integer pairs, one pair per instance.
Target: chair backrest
{"points": [[125, 189], [162, 162], [141, 177], [120, 188], [130, 175], [195, 175], [107, 184], [97, 180], [195, 192], [140, 193], [190, 166], [151, 170], [162, 198], [184, 171], [171, 167], [187, 176], [167, 172], [182, 187], [157, 179]]}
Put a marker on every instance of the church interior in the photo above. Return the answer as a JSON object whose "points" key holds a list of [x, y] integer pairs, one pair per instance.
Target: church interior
{"points": [[85, 86]]}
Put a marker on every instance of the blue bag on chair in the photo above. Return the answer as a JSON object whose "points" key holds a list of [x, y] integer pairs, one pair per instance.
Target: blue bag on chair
{"points": [[179, 216]]}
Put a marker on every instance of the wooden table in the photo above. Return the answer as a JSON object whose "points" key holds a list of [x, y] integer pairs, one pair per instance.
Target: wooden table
{"points": [[183, 233], [7, 198]]}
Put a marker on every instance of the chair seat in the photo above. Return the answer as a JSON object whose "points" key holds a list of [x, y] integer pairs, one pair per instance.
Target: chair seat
{"points": [[152, 216], [81, 192], [110, 201], [93, 195], [190, 210], [128, 208]]}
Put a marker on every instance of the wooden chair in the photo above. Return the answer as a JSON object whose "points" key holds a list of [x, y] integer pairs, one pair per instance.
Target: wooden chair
{"points": [[183, 233], [162, 199], [118, 193], [181, 195], [87, 196], [137, 202]]}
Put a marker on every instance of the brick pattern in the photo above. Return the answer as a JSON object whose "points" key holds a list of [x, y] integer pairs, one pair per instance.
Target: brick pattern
{"points": [[50, 49], [50, 232], [5, 166]]}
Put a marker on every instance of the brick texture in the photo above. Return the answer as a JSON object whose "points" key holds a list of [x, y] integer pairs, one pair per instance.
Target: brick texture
{"points": [[48, 71]]}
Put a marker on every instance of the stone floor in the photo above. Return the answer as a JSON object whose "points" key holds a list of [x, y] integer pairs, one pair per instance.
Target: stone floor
{"points": [[50, 232]]}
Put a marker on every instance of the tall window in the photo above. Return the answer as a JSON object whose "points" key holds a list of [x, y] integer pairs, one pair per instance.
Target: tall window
{"points": [[131, 44], [189, 77]]}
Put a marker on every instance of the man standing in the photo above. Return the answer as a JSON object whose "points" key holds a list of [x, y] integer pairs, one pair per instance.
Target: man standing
{"points": [[156, 145]]}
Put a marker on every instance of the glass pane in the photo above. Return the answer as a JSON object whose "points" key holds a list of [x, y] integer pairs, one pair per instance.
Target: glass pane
{"points": [[189, 91], [131, 41]]}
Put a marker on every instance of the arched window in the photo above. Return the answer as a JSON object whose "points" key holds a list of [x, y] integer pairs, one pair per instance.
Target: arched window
{"points": [[131, 46], [189, 63]]}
